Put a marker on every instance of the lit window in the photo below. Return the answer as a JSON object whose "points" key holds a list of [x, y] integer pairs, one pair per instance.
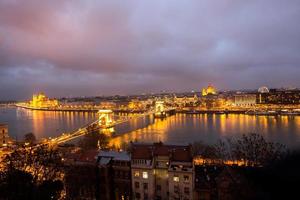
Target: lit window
{"points": [[136, 174], [145, 175], [176, 178]]}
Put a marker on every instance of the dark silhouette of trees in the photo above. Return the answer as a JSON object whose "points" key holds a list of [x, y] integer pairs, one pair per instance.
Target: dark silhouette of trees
{"points": [[32, 173], [30, 138], [16, 184], [252, 149], [42, 163], [94, 140]]}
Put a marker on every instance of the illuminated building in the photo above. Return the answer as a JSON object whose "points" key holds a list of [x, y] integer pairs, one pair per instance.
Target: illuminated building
{"points": [[184, 101], [4, 138], [275, 96], [108, 105], [210, 90], [263, 89], [162, 171], [244, 100], [41, 101]]}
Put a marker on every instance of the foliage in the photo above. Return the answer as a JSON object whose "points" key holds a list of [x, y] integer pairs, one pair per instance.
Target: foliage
{"points": [[31, 173], [94, 140], [41, 162], [256, 151], [252, 149], [30, 138], [17, 184]]}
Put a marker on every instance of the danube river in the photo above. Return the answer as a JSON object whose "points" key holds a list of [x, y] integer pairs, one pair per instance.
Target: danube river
{"points": [[177, 129]]}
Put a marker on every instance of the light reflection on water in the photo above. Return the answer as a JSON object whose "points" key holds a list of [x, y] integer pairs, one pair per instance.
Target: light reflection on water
{"points": [[42, 124], [209, 128], [180, 128]]}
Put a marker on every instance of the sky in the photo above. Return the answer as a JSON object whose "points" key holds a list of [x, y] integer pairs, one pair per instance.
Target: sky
{"points": [[108, 47]]}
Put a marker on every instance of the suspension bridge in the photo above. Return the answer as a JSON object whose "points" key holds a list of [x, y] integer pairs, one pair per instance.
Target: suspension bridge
{"points": [[107, 119]]}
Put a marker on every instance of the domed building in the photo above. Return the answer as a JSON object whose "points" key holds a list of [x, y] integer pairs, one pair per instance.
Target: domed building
{"points": [[210, 90], [42, 101], [263, 89]]}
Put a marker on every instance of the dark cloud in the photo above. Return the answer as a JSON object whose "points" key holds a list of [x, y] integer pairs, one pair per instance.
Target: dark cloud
{"points": [[89, 47]]}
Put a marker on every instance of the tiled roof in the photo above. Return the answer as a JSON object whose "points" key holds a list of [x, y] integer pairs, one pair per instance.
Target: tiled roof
{"points": [[115, 155], [182, 154], [88, 156], [174, 152], [142, 152]]}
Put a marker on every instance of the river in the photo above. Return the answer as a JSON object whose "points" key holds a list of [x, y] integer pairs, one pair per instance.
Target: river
{"points": [[176, 129]]}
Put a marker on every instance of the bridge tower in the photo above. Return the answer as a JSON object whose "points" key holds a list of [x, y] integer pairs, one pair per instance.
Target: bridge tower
{"points": [[105, 118], [160, 110]]}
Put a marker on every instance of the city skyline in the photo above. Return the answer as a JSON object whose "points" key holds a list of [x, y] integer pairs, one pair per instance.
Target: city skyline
{"points": [[88, 48]]}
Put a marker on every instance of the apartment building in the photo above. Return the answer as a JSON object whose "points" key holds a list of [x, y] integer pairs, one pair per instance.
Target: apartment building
{"points": [[162, 171], [115, 175]]}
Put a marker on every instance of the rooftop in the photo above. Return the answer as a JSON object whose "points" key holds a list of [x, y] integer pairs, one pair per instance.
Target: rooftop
{"points": [[3, 124], [115, 155], [181, 153]]}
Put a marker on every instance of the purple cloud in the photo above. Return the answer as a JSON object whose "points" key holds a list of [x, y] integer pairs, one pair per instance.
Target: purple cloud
{"points": [[89, 47]]}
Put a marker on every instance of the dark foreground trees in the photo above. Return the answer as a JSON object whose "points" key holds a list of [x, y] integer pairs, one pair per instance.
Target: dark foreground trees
{"points": [[31, 173], [256, 151], [251, 149], [30, 138], [94, 140]]}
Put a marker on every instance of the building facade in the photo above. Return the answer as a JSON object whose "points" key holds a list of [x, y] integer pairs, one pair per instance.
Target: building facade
{"points": [[244, 100], [162, 171], [4, 137], [115, 175], [279, 97], [41, 101]]}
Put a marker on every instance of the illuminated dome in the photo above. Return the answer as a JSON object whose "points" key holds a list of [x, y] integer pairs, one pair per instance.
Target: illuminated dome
{"points": [[209, 90], [263, 90]]}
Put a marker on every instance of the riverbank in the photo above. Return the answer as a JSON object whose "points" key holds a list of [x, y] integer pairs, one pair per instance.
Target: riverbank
{"points": [[190, 112]]}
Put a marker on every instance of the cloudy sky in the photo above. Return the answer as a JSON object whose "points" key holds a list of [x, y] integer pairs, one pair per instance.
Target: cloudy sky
{"points": [[104, 47]]}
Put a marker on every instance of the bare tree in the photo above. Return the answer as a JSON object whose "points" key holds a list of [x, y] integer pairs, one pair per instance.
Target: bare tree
{"points": [[256, 151]]}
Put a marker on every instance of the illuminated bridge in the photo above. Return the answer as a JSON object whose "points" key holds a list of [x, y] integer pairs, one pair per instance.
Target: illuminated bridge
{"points": [[107, 119]]}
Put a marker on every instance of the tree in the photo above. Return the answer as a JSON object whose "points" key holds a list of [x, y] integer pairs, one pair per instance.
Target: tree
{"points": [[30, 138], [32, 173], [256, 151], [42, 163], [94, 140], [16, 184]]}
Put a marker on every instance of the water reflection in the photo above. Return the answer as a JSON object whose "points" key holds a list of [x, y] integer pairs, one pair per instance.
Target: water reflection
{"points": [[178, 129], [209, 128], [43, 124]]}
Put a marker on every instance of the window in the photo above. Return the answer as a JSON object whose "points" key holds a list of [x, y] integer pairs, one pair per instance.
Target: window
{"points": [[158, 187], [145, 175], [176, 178], [137, 195], [186, 178], [136, 184], [176, 189], [186, 190], [145, 196], [145, 186], [136, 174]]}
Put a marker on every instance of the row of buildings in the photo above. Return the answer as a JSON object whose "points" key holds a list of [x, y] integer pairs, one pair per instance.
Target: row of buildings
{"points": [[150, 171], [208, 98]]}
